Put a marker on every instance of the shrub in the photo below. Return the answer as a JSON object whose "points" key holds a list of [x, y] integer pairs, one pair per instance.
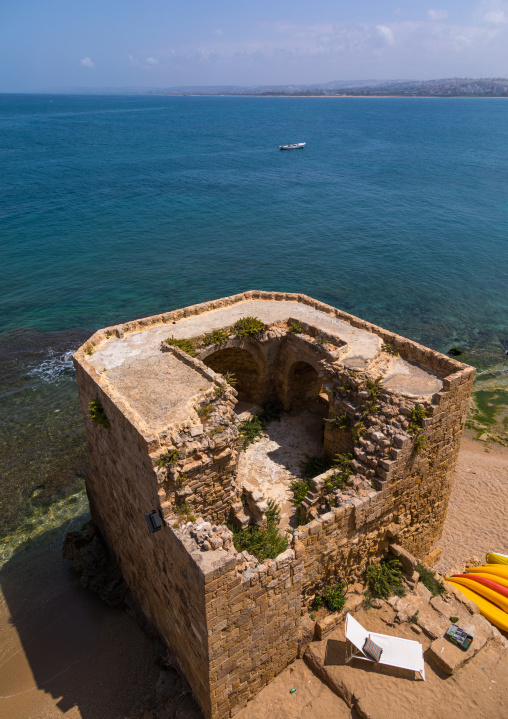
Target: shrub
{"points": [[89, 349], [270, 413], [170, 457], [359, 429], [414, 618], [429, 580], [454, 620], [391, 349], [341, 421], [216, 337], [230, 378], [184, 513], [384, 579], [249, 430], [333, 595], [295, 327], [97, 414], [204, 411], [419, 442], [248, 326], [186, 345], [299, 487], [262, 543], [417, 415], [342, 463], [313, 466]]}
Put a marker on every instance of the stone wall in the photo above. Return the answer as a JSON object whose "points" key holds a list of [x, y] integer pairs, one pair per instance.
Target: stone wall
{"points": [[122, 487], [232, 623]]}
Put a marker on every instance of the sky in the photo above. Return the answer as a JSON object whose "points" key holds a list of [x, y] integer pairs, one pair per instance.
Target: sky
{"points": [[51, 44]]}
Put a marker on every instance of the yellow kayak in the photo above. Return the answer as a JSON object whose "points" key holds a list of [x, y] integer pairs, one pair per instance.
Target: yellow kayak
{"points": [[499, 570], [490, 611], [495, 578], [493, 558], [483, 591]]}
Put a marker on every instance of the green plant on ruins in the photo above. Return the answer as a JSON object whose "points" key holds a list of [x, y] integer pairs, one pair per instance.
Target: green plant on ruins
{"points": [[89, 349], [204, 411], [299, 487], [184, 513], [250, 430], [220, 392], [312, 466], [429, 580], [295, 327], [230, 378], [341, 421], [384, 579], [186, 345], [262, 543], [216, 337], [271, 412], [419, 442], [97, 414], [333, 595], [391, 349], [169, 458], [359, 428], [248, 327], [417, 415]]}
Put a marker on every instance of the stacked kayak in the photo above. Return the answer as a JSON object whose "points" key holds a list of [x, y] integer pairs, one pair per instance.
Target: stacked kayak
{"points": [[487, 587]]}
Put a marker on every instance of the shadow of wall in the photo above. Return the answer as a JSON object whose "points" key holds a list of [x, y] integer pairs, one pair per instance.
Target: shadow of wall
{"points": [[62, 648]]}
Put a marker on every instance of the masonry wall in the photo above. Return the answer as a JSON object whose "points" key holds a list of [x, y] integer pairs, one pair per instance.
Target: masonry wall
{"points": [[167, 582]]}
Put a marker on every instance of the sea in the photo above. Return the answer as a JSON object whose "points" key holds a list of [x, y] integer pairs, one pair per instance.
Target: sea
{"points": [[113, 208]]}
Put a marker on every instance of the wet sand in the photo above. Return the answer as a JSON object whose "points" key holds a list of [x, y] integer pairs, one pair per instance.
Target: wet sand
{"points": [[65, 653]]}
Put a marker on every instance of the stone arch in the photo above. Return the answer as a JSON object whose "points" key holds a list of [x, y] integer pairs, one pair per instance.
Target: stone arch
{"points": [[247, 369], [301, 386]]}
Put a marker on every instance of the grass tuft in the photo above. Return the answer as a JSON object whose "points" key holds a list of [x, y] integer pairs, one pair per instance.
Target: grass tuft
{"points": [[429, 580], [97, 414], [186, 345], [248, 327], [262, 543]]}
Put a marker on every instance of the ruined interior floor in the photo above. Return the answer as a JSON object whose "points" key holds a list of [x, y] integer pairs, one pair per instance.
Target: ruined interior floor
{"points": [[271, 464]]}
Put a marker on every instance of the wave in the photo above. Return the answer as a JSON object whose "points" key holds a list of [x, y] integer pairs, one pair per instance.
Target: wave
{"points": [[54, 367]]}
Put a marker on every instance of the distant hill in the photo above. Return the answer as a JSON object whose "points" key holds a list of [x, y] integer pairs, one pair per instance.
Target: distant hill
{"points": [[447, 87]]}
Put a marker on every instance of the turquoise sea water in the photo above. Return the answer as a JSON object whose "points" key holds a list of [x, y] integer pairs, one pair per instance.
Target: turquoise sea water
{"points": [[119, 207]]}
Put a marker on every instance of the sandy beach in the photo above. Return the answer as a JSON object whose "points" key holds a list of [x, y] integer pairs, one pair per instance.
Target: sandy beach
{"points": [[65, 653]]}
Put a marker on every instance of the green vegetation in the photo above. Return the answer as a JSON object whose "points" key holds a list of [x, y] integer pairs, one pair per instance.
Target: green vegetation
{"points": [[248, 326], [359, 428], [89, 349], [333, 596], [186, 345], [414, 618], [299, 487], [312, 616], [429, 580], [169, 458], [454, 620], [419, 443], [312, 466], [204, 411], [230, 378], [217, 337], [490, 415], [417, 415], [97, 414], [342, 463], [295, 327], [391, 349], [220, 391], [488, 403], [217, 430], [262, 543], [249, 430], [384, 579], [341, 421], [270, 413], [184, 512]]}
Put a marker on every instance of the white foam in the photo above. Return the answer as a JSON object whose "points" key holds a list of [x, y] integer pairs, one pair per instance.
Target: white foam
{"points": [[54, 367]]}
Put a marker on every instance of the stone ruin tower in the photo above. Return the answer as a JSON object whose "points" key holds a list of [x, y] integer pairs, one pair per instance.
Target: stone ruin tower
{"points": [[162, 427]]}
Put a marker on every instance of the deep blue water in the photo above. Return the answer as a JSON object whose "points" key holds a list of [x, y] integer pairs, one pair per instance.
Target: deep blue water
{"points": [[118, 207]]}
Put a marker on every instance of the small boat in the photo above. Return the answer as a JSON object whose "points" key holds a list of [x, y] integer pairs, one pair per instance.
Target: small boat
{"points": [[296, 146]]}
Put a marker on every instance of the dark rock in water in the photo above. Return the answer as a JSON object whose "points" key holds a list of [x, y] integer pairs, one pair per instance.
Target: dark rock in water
{"points": [[456, 352]]}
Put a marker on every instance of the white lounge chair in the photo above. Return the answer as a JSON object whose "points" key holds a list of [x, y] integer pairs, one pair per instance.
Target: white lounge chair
{"points": [[397, 652]]}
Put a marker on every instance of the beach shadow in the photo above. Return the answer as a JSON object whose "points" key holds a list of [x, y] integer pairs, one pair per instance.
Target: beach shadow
{"points": [[62, 647]]}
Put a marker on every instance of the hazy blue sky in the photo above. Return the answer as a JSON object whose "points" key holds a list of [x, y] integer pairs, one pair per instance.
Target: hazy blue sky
{"points": [[98, 43]]}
